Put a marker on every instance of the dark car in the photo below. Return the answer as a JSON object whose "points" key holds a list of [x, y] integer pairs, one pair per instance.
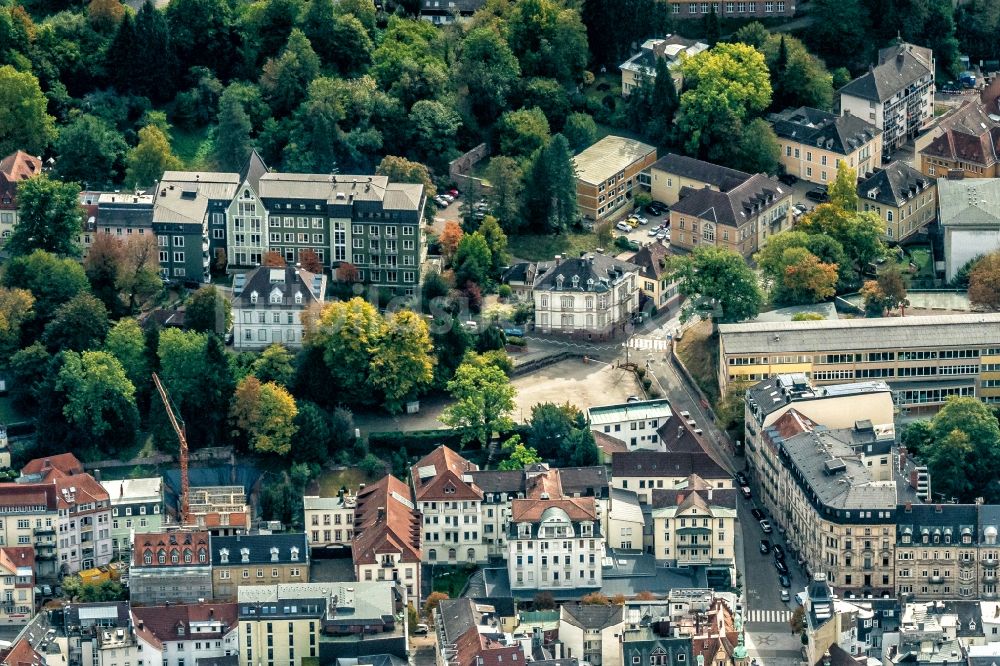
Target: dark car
{"points": [[765, 546], [781, 567], [757, 513], [788, 178], [653, 209], [818, 194], [741, 479], [785, 581], [514, 331], [779, 552]]}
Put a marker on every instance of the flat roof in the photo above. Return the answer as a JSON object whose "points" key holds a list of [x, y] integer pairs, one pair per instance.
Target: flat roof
{"points": [[963, 330], [609, 156], [629, 411]]}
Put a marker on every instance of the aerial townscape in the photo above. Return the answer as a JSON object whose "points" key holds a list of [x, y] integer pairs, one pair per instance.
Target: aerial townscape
{"points": [[499, 333]]}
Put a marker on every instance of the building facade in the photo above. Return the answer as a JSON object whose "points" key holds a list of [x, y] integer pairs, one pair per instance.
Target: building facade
{"points": [[923, 359], [17, 584], [181, 634], [673, 173], [642, 66], [136, 508], [257, 559], [608, 173], [679, 9], [170, 566], [655, 280], [451, 506], [387, 536], [965, 141], [904, 198], [269, 303], [970, 219], [813, 143], [896, 95], [591, 633], [635, 423], [695, 526], [329, 521], [14, 168], [648, 471], [937, 553]]}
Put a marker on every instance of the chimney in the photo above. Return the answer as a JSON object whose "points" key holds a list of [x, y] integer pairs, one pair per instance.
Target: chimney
{"points": [[680, 498], [909, 509], [937, 508], [211, 613], [709, 494], [97, 475], [381, 513], [903, 452]]}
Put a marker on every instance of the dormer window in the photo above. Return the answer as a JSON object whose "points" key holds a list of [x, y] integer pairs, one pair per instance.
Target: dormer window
{"points": [[253, 296], [295, 554], [244, 554], [175, 557], [906, 538], [147, 558], [161, 557], [298, 298], [276, 296], [274, 554], [576, 281], [187, 556], [180, 629], [224, 556], [203, 556]]}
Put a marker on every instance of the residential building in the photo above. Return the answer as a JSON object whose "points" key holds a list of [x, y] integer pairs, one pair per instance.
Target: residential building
{"points": [[287, 624], [136, 508], [500, 488], [964, 140], [451, 506], [269, 303], [923, 359], [121, 215], [242, 227], [329, 521], [170, 566], [655, 280], [647, 471], [470, 633], [740, 219], [695, 526], [221, 510], [92, 637], [21, 653], [448, 11], [257, 559], [591, 633], [635, 423], [625, 524], [672, 174], [927, 635], [17, 584], [896, 95], [30, 517], [187, 204], [813, 143], [937, 554], [834, 626], [179, 634], [969, 212], [642, 66], [989, 552], [387, 544], [607, 174], [14, 168], [554, 542], [593, 297], [904, 198], [365, 221], [680, 9]]}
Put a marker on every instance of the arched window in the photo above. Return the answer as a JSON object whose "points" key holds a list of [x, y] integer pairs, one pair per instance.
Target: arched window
{"points": [[147, 558], [161, 557], [175, 557], [471, 555], [202, 555], [187, 556], [452, 554], [432, 555]]}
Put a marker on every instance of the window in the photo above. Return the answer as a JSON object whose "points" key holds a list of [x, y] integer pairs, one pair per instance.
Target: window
{"points": [[178, 241]]}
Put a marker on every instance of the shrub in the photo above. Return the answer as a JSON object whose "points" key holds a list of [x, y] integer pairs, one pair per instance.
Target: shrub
{"points": [[641, 372], [505, 291], [516, 341]]}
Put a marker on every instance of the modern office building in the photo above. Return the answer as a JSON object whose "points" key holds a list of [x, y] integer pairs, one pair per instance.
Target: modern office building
{"points": [[608, 173]]}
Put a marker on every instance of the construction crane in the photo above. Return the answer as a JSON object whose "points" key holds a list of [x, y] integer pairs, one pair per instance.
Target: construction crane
{"points": [[178, 425]]}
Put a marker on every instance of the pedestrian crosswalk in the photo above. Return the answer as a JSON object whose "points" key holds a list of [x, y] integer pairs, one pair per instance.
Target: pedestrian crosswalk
{"points": [[651, 344], [770, 616]]}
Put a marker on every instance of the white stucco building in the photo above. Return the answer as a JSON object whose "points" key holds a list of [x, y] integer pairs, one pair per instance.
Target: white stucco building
{"points": [[451, 504], [592, 634], [268, 304], [970, 218], [634, 423], [180, 635]]}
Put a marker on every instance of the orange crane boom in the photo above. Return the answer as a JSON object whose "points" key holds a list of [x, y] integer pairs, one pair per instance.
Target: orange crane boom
{"points": [[178, 426]]}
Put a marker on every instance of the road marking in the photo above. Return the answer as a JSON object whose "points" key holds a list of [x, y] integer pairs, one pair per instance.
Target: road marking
{"points": [[770, 616], [652, 344]]}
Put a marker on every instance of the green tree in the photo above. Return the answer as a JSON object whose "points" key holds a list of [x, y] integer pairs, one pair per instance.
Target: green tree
{"points": [[520, 133], [100, 400], [717, 281], [402, 362], [843, 190], [196, 373], [548, 95], [580, 130], [551, 200], [519, 456], [314, 440], [549, 40], [507, 181], [232, 135], [840, 32], [963, 456], [984, 282], [79, 324], [473, 260], [24, 122], [265, 414], [208, 311], [275, 364], [16, 308], [360, 9], [435, 128], [346, 333], [89, 150], [402, 170], [152, 156], [203, 33], [752, 34], [489, 70], [285, 77], [483, 400], [860, 234], [806, 279], [50, 217], [29, 370], [711, 28], [349, 46], [50, 279], [798, 77], [562, 435], [758, 150], [917, 436], [496, 240], [125, 341]]}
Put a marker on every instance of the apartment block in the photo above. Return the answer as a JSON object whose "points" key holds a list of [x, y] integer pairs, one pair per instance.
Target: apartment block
{"points": [[637, 424], [99, 634], [257, 559], [904, 198], [329, 521], [608, 173], [219, 510], [937, 554], [173, 567], [624, 523], [591, 633], [896, 95], [451, 505], [813, 143], [136, 508], [680, 9], [17, 584], [656, 280], [648, 471], [923, 359], [181, 634], [642, 66], [387, 536]]}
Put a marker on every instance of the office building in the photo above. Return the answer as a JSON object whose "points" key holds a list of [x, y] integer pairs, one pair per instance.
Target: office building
{"points": [[608, 173]]}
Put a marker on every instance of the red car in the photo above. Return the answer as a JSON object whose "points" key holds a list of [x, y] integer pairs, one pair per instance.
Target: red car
{"points": [[453, 192]]}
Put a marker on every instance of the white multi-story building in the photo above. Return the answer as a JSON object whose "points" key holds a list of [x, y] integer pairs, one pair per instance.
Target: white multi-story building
{"points": [[553, 541], [182, 634], [451, 504], [896, 94], [329, 521], [136, 508], [633, 423], [268, 304], [592, 634]]}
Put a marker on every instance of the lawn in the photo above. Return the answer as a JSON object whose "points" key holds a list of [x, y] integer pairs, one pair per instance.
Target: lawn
{"points": [[451, 580], [194, 148], [538, 247], [330, 481], [699, 350], [8, 414]]}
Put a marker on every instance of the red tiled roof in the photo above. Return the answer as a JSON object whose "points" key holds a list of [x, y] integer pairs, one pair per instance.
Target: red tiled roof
{"points": [[446, 482], [28, 494], [67, 463], [12, 557], [13, 169], [608, 444], [160, 624], [78, 489], [169, 543], [530, 510], [386, 522], [20, 654], [472, 648]]}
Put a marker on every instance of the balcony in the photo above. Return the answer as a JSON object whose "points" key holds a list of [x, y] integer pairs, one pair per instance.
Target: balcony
{"points": [[44, 530], [966, 564], [990, 564], [935, 580]]}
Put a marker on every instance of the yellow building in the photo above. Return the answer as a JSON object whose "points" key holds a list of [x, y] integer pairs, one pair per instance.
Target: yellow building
{"points": [[814, 142], [672, 173], [329, 521], [904, 198], [608, 174], [257, 559], [924, 359], [965, 140], [655, 281]]}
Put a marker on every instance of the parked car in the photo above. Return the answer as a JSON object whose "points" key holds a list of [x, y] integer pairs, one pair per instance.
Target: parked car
{"points": [[47, 590], [421, 629], [621, 226], [785, 596], [779, 552], [765, 546], [788, 178], [800, 598], [757, 513], [652, 233], [741, 479], [453, 192], [441, 203], [781, 567], [447, 197], [653, 209], [643, 220], [513, 331], [746, 491], [765, 525], [663, 235], [818, 194], [785, 580], [632, 222], [633, 398]]}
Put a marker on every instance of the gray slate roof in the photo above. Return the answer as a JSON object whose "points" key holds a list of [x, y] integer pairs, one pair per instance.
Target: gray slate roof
{"points": [[594, 273], [939, 520], [736, 206], [593, 617], [259, 547], [894, 185], [898, 67], [659, 463], [721, 177], [839, 134], [253, 169], [971, 202], [289, 280]]}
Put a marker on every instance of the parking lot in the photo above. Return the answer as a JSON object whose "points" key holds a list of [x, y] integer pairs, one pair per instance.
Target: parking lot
{"points": [[640, 234]]}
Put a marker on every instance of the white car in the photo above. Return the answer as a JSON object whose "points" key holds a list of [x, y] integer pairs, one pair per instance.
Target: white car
{"points": [[766, 526], [643, 220], [653, 232], [622, 226], [662, 235]]}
